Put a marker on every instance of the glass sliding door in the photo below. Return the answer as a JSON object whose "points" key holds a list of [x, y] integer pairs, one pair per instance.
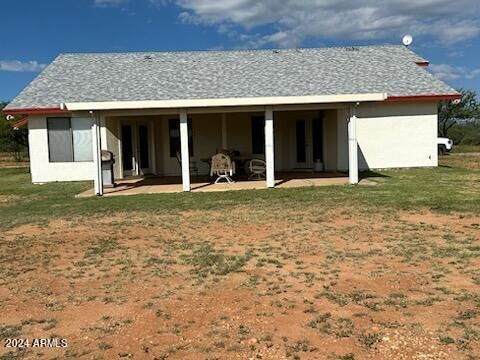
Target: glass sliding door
{"points": [[128, 159], [303, 144], [317, 139], [144, 149], [136, 148]]}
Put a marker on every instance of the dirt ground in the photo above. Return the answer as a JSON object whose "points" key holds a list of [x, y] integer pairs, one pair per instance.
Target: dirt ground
{"points": [[244, 285]]}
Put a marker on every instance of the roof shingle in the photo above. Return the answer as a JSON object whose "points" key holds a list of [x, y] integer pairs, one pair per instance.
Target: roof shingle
{"points": [[229, 74]]}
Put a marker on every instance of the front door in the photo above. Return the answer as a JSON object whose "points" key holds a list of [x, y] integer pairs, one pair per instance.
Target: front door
{"points": [[303, 144], [308, 143], [144, 149], [317, 140], [136, 149], [128, 157]]}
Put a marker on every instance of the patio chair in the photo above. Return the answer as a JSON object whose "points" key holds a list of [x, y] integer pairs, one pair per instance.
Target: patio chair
{"points": [[257, 169], [222, 167], [192, 164]]}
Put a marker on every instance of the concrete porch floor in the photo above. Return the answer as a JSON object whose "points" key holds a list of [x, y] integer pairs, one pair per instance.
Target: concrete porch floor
{"points": [[173, 184]]}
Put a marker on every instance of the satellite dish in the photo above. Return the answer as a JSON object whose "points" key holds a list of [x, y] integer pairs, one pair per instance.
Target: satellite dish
{"points": [[407, 39]]}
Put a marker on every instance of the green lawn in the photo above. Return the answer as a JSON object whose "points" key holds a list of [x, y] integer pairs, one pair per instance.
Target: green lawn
{"points": [[444, 189]]}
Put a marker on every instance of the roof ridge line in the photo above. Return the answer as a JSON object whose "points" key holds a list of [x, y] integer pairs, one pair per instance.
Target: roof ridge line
{"points": [[230, 50]]}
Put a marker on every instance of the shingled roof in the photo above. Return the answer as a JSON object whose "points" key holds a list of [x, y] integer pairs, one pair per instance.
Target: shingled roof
{"points": [[73, 78]]}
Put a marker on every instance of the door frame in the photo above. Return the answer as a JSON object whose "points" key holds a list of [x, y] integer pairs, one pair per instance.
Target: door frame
{"points": [[149, 169], [136, 170], [308, 163], [131, 172]]}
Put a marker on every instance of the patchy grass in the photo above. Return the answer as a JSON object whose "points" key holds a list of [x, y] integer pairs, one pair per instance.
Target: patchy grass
{"points": [[8, 160], [462, 161], [206, 260], [452, 187], [462, 149], [340, 327], [387, 271]]}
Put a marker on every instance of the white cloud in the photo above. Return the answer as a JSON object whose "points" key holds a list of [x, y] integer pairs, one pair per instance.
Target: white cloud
{"points": [[448, 72], [292, 21], [159, 2], [189, 18], [473, 74], [19, 66], [107, 3], [456, 54]]}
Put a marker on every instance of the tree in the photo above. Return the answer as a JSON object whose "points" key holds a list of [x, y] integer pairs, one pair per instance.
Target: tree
{"points": [[449, 112], [12, 140]]}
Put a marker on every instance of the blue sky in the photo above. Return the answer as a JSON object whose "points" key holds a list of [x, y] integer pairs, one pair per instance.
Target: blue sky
{"points": [[35, 32]]}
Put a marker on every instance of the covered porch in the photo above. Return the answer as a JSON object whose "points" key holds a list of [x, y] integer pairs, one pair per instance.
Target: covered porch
{"points": [[301, 145], [173, 184]]}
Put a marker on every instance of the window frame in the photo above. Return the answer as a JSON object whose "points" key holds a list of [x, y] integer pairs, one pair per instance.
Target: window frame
{"points": [[253, 137], [72, 159], [176, 121]]}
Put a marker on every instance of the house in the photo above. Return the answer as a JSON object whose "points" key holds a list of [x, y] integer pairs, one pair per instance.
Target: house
{"points": [[349, 108]]}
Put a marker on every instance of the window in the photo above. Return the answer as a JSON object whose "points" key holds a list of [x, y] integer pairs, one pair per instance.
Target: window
{"points": [[258, 135], [174, 134], [82, 139], [59, 140], [69, 139]]}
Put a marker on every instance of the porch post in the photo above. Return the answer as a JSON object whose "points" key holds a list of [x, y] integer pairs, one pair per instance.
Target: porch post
{"points": [[97, 155], [352, 147], [184, 151], [269, 148], [103, 132]]}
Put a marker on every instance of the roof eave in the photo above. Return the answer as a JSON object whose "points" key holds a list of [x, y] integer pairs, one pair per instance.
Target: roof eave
{"points": [[442, 97], [252, 101], [19, 123], [423, 63], [34, 111], [255, 101]]}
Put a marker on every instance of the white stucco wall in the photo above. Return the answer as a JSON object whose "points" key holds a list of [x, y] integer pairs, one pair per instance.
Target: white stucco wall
{"points": [[330, 140], [397, 135], [41, 168], [342, 139], [207, 138], [391, 135], [110, 139]]}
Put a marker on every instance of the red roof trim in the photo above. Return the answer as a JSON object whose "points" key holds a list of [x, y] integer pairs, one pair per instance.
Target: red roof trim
{"points": [[48, 111], [19, 122], [424, 98], [423, 63], [34, 111]]}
